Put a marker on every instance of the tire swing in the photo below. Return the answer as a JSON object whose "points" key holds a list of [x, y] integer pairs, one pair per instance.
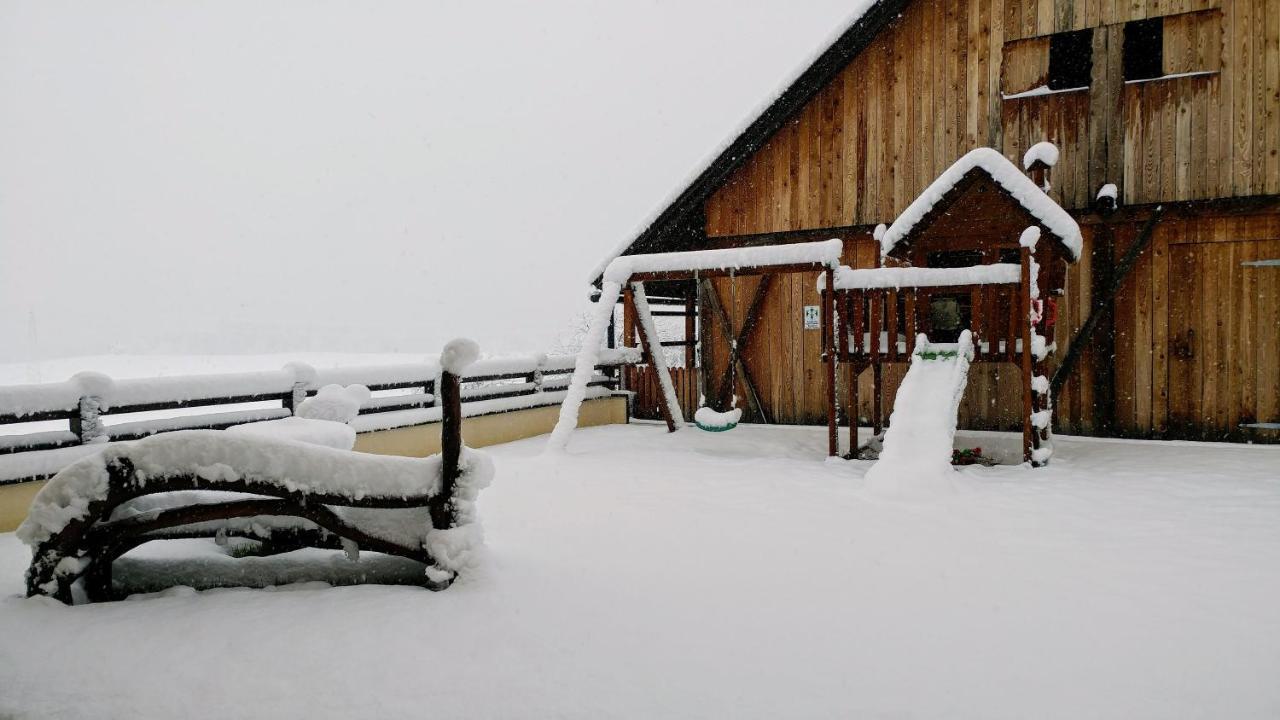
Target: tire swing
{"points": [[706, 418]]}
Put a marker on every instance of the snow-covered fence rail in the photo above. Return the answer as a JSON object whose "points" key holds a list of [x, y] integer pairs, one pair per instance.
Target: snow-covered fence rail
{"points": [[406, 396]]}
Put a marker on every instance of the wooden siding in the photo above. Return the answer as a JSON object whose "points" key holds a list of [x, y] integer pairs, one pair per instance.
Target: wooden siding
{"points": [[1190, 277], [928, 89]]}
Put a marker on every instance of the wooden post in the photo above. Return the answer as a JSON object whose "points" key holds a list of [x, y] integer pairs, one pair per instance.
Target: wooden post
{"points": [[649, 346], [829, 351], [87, 422], [441, 506], [877, 304], [294, 397], [690, 329], [1024, 320], [704, 338], [851, 380], [630, 373]]}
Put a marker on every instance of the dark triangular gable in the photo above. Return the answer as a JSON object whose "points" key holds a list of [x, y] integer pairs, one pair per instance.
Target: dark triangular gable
{"points": [[963, 194]]}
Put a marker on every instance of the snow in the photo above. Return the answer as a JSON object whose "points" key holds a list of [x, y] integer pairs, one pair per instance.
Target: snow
{"points": [[458, 354], [1108, 190], [585, 368], [916, 457], [299, 429], [737, 574], [708, 418], [215, 455], [1040, 384], [1003, 172], [1040, 90], [137, 428], [334, 403], [1172, 76], [1029, 238], [474, 408], [847, 278], [1043, 151], [824, 252]]}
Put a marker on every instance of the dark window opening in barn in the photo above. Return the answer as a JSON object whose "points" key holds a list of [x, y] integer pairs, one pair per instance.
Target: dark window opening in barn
{"points": [[1144, 49], [1010, 255], [1070, 59]]}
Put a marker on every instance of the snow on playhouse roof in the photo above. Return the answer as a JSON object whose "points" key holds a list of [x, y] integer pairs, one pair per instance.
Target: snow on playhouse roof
{"points": [[1020, 187]]}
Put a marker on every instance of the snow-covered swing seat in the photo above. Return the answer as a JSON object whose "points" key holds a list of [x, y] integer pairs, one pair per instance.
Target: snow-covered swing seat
{"points": [[628, 273], [282, 485]]}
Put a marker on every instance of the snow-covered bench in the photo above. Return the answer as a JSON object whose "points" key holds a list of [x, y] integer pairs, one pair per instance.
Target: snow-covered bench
{"points": [[263, 485]]}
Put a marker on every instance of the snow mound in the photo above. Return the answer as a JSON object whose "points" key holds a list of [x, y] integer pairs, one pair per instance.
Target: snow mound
{"points": [[334, 403], [300, 429], [215, 456], [1044, 151], [708, 418], [459, 354]]}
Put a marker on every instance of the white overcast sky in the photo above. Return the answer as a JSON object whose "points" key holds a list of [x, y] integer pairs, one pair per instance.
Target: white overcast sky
{"points": [[244, 177]]}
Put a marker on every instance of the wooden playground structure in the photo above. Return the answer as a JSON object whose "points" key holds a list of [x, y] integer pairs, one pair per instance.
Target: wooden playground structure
{"points": [[941, 270]]}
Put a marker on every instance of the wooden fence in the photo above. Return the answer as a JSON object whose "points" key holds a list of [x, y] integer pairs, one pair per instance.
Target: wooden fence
{"points": [[642, 380], [406, 396]]}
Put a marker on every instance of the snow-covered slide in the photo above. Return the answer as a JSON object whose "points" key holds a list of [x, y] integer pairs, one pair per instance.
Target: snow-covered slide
{"points": [[917, 444]]}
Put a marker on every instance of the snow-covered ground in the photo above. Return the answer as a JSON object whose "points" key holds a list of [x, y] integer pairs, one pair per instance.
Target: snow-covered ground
{"points": [[735, 574]]}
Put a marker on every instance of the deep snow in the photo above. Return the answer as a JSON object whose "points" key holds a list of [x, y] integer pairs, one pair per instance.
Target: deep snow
{"points": [[736, 574]]}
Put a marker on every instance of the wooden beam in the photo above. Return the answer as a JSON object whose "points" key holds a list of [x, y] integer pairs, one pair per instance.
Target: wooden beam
{"points": [[647, 349], [829, 354], [1024, 321], [1102, 304], [744, 271]]}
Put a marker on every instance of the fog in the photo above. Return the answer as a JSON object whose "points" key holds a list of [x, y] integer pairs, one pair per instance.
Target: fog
{"points": [[247, 177]]}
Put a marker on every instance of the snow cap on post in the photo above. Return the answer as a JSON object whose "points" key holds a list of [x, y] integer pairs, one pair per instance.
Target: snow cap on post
{"points": [[458, 354], [94, 384], [879, 232], [1030, 237], [302, 372], [1044, 152]]}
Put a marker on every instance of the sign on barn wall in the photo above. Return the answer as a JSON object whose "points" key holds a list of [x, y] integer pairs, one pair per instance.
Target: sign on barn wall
{"points": [[811, 318]]}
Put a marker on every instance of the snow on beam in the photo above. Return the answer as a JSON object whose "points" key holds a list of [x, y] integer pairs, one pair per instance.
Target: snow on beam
{"points": [[847, 278], [825, 253], [1008, 176]]}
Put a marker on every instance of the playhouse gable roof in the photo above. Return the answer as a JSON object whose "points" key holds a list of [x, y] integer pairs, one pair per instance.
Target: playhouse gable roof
{"points": [[1020, 188]]}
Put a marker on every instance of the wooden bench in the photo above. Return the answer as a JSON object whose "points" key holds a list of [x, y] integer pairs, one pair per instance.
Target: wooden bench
{"points": [[285, 495]]}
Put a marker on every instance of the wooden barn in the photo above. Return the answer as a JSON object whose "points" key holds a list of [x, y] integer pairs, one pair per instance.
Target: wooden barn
{"points": [[1166, 116]]}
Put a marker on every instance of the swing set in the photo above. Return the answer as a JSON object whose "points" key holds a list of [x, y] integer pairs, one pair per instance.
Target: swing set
{"points": [[976, 270], [625, 278]]}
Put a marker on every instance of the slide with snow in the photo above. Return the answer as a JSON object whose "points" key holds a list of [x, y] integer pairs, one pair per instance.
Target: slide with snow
{"points": [[918, 441]]}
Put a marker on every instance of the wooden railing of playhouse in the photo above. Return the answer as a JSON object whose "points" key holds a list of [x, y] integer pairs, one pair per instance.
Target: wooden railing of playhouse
{"points": [[871, 330], [490, 386]]}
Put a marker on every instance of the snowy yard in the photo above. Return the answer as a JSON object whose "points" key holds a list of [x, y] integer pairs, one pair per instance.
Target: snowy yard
{"points": [[735, 575]]}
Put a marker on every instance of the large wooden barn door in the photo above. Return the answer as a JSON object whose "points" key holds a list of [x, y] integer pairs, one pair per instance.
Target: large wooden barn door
{"points": [[1224, 339]]}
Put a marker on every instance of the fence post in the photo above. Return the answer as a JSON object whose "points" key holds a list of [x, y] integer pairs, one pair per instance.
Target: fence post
{"points": [[456, 356], [87, 422], [295, 396]]}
